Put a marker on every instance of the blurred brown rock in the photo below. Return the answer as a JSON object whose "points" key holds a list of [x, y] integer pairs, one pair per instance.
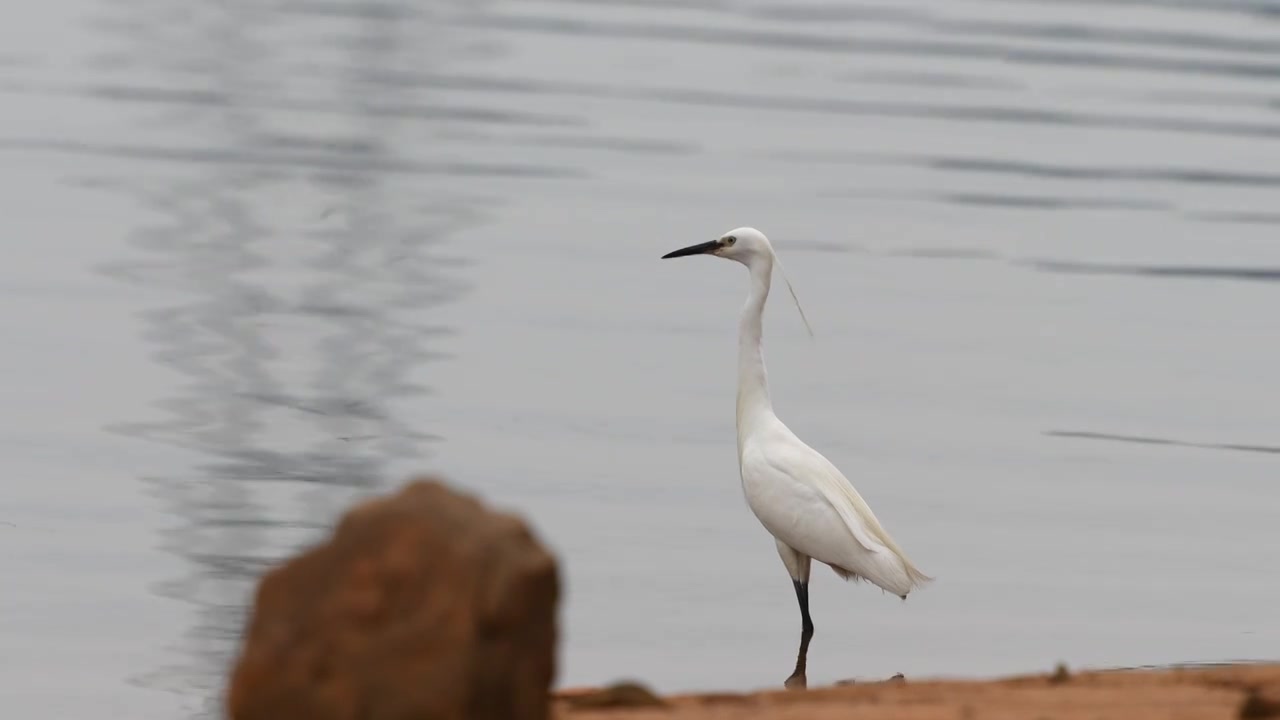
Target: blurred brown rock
{"points": [[423, 605]]}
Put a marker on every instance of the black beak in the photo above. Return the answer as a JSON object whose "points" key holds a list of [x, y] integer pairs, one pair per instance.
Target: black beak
{"points": [[699, 249]]}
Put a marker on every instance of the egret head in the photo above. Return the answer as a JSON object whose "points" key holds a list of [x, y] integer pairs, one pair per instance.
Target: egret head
{"points": [[750, 247], [745, 245]]}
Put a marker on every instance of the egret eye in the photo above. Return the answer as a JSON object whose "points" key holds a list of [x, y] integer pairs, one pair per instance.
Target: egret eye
{"points": [[730, 240]]}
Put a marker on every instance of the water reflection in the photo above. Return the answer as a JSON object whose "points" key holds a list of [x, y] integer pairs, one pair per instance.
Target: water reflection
{"points": [[1254, 274], [310, 269], [1141, 440], [940, 38], [1011, 113]]}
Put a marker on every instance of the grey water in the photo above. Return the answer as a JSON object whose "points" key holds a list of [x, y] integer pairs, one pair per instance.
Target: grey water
{"points": [[265, 257]]}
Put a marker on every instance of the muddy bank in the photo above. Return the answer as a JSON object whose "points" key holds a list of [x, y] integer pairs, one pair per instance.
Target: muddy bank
{"points": [[1232, 691]]}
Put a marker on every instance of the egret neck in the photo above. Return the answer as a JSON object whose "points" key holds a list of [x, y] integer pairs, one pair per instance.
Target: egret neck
{"points": [[753, 382]]}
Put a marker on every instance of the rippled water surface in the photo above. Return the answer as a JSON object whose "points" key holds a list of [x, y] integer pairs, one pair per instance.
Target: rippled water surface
{"points": [[265, 257]]}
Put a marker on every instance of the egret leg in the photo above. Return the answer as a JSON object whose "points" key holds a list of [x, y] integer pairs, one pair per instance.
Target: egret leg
{"points": [[798, 568], [798, 681]]}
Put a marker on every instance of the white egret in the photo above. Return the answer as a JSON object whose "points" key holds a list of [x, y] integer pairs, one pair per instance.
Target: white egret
{"points": [[797, 494]]}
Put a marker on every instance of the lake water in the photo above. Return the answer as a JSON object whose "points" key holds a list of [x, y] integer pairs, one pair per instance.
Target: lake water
{"points": [[262, 258]]}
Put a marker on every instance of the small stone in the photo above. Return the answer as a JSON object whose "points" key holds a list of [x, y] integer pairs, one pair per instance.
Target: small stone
{"points": [[1261, 703], [624, 694]]}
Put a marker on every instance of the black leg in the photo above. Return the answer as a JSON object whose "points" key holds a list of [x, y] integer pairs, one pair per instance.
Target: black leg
{"points": [[798, 679]]}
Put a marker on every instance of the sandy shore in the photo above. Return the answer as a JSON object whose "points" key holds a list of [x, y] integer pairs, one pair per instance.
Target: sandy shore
{"points": [[1229, 691]]}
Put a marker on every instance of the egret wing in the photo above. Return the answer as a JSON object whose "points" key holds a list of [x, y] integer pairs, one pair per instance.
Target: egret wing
{"points": [[804, 465], [876, 557]]}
